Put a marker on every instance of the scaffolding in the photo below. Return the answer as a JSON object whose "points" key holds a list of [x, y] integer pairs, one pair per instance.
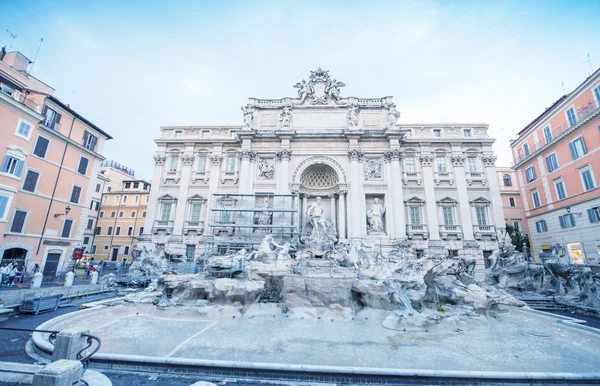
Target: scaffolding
{"points": [[239, 221]]}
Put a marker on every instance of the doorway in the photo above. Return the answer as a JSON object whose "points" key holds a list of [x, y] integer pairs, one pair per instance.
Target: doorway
{"points": [[52, 263], [115, 254]]}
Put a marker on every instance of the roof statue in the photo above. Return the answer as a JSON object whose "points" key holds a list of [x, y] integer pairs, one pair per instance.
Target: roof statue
{"points": [[320, 88]]}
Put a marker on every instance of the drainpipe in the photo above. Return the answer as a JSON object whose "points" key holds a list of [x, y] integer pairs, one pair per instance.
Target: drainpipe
{"points": [[60, 168], [98, 217]]}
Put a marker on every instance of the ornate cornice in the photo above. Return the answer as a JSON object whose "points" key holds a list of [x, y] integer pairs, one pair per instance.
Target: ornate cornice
{"points": [[159, 159], [457, 160], [284, 154], [248, 154], [392, 155], [356, 155], [426, 160], [489, 160], [216, 159]]}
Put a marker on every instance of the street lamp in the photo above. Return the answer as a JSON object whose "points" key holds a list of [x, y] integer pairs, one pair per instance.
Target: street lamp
{"points": [[67, 210]]}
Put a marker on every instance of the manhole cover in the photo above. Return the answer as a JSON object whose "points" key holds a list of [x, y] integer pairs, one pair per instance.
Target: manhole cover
{"points": [[538, 334]]}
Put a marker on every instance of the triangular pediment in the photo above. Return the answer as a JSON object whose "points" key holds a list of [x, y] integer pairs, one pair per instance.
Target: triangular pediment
{"points": [[447, 200], [167, 198], [196, 198], [480, 200], [415, 200]]}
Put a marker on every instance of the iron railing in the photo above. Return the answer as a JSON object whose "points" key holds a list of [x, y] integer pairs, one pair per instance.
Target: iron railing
{"points": [[581, 115]]}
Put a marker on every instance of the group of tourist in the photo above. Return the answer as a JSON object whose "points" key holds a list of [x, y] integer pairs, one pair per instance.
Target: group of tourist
{"points": [[11, 274]]}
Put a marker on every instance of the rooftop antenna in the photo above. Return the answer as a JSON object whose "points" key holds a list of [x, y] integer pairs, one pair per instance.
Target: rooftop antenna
{"points": [[563, 87], [13, 36], [589, 61], [36, 55]]}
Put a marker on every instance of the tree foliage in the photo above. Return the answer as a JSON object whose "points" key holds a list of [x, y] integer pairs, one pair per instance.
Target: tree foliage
{"points": [[518, 238]]}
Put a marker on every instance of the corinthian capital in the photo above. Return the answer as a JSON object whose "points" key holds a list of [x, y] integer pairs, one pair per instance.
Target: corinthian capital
{"points": [[216, 159], [489, 160], [159, 159], [426, 160], [393, 155], [457, 160], [187, 159], [356, 155], [284, 154], [248, 154]]}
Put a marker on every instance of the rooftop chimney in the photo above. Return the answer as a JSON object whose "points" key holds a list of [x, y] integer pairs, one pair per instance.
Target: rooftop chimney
{"points": [[16, 60]]}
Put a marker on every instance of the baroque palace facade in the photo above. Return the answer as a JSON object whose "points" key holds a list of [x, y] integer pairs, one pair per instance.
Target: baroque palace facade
{"points": [[433, 183]]}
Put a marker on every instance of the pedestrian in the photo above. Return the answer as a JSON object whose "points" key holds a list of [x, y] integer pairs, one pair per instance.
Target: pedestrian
{"points": [[4, 271], [19, 276], [12, 274], [36, 268]]}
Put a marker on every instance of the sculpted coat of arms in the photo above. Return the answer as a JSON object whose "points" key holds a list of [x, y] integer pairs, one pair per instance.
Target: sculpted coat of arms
{"points": [[320, 88]]}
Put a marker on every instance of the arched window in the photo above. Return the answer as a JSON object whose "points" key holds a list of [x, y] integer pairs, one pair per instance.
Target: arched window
{"points": [[507, 180]]}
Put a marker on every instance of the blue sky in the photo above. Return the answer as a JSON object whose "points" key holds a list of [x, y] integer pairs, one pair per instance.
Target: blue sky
{"points": [[131, 67]]}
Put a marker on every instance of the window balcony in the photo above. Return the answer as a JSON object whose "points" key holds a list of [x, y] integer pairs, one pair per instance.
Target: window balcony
{"points": [[162, 225], [171, 175], [413, 230], [450, 231], [475, 177], [200, 176], [484, 231], [193, 226], [412, 176], [439, 177], [230, 176]]}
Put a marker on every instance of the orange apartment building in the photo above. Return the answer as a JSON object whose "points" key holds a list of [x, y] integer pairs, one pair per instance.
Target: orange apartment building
{"points": [[512, 203], [49, 157], [557, 161], [121, 221]]}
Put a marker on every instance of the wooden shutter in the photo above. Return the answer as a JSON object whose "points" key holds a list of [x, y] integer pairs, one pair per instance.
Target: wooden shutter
{"points": [[41, 146], [83, 164], [561, 219], [573, 151], [66, 231], [18, 221], [31, 180], [3, 205]]}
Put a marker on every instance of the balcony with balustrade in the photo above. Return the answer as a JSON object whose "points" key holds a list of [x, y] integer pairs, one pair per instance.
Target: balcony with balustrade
{"points": [[440, 177], [417, 231], [415, 177], [193, 227], [19, 97], [484, 231], [450, 231], [475, 177], [165, 226]]}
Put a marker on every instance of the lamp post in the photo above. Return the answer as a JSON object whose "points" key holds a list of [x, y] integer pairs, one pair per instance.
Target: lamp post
{"points": [[67, 210]]}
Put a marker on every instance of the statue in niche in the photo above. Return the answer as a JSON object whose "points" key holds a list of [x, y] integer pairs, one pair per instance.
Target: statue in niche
{"points": [[373, 168], [285, 117], [316, 216], [375, 217], [248, 116], [265, 169], [353, 116], [393, 116], [263, 217]]}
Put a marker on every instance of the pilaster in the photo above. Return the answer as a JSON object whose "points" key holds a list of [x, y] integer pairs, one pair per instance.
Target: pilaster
{"points": [[216, 159], [159, 163], [464, 206], [356, 216], [187, 160], [426, 161], [246, 175], [495, 197], [394, 157], [283, 156], [342, 215]]}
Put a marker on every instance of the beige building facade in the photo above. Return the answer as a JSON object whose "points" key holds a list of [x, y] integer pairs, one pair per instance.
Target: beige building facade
{"points": [[512, 202]]}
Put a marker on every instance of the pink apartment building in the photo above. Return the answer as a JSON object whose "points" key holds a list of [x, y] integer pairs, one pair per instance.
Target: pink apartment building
{"points": [[557, 161], [49, 157], [512, 203]]}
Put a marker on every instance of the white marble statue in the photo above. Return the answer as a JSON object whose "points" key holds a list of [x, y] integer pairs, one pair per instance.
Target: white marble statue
{"points": [[353, 116], [285, 117], [284, 252], [316, 216], [393, 116], [304, 89], [248, 116], [373, 169], [263, 217], [265, 247], [375, 217], [265, 169]]}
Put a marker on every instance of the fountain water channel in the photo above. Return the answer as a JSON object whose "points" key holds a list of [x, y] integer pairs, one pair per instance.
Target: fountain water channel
{"points": [[351, 313]]}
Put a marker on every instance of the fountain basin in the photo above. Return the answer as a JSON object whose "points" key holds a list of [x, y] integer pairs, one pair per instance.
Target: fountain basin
{"points": [[513, 344]]}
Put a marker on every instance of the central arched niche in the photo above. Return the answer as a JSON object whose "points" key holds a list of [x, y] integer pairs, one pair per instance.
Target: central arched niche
{"points": [[319, 177]]}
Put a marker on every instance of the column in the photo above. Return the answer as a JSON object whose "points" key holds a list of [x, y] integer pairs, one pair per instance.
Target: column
{"points": [[303, 211], [187, 159], [283, 179], [463, 196], [159, 162], [332, 210], [430, 203], [356, 200], [245, 171], [213, 184], [342, 215], [395, 158], [495, 198]]}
